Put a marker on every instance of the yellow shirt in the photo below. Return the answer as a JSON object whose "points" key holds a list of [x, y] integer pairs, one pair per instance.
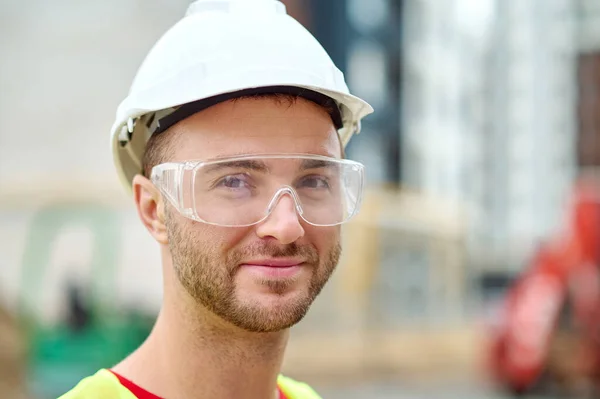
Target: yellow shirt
{"points": [[105, 385]]}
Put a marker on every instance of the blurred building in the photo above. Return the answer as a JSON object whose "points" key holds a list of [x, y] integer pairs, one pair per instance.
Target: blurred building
{"points": [[364, 39], [490, 116], [67, 66], [588, 19], [407, 268]]}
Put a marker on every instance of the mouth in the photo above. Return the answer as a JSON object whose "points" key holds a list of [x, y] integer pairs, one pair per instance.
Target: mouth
{"points": [[275, 262], [274, 268]]}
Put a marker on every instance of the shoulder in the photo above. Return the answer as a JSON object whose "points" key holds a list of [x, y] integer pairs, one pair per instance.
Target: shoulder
{"points": [[295, 389], [102, 385]]}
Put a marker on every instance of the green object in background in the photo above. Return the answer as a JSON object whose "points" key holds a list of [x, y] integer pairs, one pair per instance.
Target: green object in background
{"points": [[60, 357], [97, 335]]}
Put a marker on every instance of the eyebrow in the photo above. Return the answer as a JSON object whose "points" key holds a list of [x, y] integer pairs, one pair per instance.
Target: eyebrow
{"points": [[249, 164], [315, 164]]}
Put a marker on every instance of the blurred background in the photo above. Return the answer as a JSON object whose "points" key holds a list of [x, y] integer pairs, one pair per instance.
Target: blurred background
{"points": [[472, 270]]}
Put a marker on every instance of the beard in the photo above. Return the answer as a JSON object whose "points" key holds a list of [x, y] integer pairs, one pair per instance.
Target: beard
{"points": [[209, 277]]}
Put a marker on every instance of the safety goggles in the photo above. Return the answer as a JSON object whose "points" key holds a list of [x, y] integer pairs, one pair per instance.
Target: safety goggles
{"points": [[244, 190]]}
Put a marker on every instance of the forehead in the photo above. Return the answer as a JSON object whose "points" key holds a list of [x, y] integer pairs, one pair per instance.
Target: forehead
{"points": [[257, 126]]}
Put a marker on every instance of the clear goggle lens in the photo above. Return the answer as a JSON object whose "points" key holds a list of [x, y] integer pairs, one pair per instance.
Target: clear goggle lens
{"points": [[243, 191]]}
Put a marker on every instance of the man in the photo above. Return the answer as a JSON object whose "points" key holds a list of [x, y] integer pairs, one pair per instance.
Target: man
{"points": [[231, 139]]}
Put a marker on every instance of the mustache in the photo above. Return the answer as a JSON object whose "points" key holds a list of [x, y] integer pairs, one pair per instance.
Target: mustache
{"points": [[269, 250]]}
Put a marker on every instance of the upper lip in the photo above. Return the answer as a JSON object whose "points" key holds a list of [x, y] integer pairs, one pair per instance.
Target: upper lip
{"points": [[274, 262]]}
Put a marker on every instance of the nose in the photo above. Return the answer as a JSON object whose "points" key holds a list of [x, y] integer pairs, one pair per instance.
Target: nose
{"points": [[282, 223]]}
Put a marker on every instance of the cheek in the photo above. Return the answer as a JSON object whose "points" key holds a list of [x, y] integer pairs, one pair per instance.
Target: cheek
{"points": [[323, 238], [224, 238]]}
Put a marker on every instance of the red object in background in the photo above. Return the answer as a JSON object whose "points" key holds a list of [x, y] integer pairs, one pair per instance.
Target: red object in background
{"points": [[563, 272]]}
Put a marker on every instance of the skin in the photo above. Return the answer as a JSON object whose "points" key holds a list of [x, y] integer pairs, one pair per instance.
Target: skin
{"points": [[223, 328]]}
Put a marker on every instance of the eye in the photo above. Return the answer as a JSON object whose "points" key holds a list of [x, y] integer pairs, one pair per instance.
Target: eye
{"points": [[233, 182], [314, 182]]}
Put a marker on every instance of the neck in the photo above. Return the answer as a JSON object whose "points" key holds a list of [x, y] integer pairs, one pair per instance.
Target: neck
{"points": [[193, 354]]}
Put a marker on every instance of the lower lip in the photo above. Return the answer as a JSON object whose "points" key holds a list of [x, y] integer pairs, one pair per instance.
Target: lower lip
{"points": [[274, 271]]}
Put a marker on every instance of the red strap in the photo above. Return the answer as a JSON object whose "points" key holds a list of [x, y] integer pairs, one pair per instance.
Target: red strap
{"points": [[141, 393]]}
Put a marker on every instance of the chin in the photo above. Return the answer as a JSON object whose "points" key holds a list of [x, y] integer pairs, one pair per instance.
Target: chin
{"points": [[274, 324], [272, 314]]}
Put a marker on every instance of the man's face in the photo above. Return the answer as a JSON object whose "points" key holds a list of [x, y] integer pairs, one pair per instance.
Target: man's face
{"points": [[211, 262]]}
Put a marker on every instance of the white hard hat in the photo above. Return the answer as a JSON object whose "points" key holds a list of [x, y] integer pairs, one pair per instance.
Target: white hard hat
{"points": [[222, 49]]}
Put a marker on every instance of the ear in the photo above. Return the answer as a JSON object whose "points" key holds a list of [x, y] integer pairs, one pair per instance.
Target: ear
{"points": [[150, 207]]}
